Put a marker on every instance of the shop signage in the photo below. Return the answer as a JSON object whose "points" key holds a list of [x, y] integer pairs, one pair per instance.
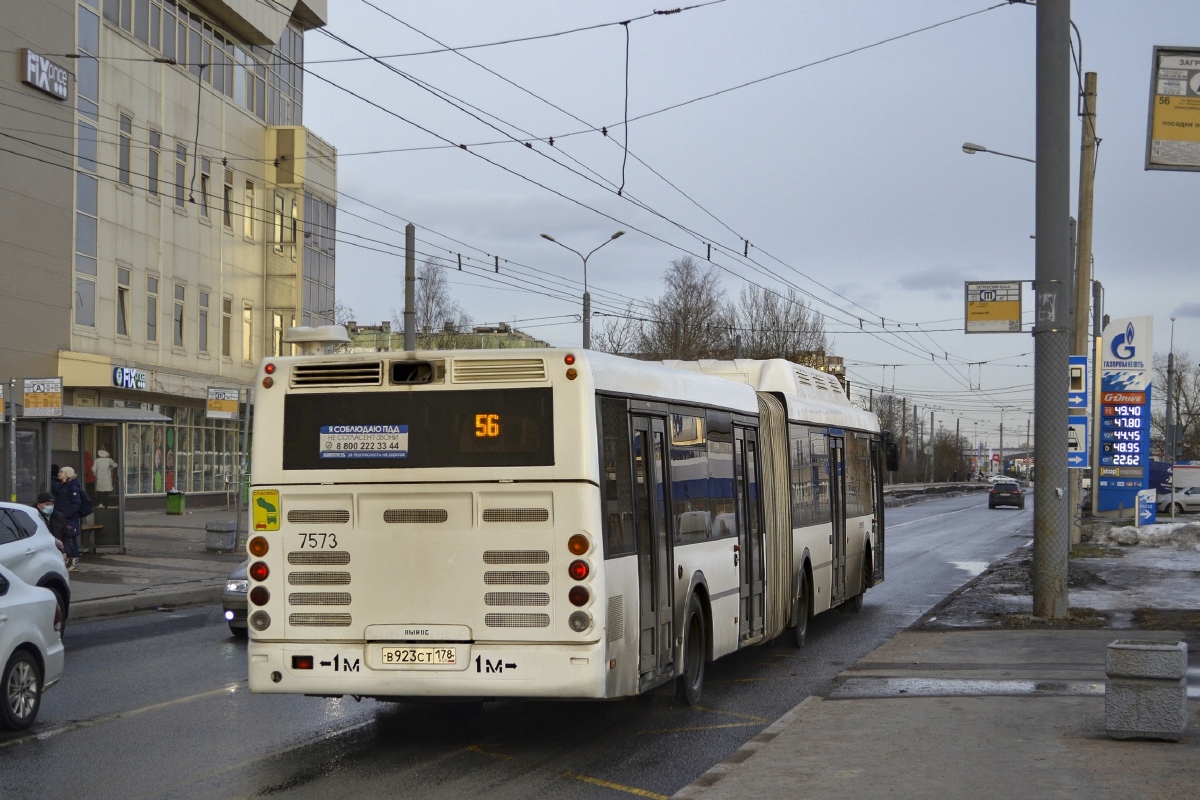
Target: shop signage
{"points": [[42, 73], [3, 418], [43, 397], [1123, 411], [130, 378], [222, 403]]}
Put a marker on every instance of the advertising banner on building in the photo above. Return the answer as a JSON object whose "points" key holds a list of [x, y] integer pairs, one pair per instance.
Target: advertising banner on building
{"points": [[1123, 412]]}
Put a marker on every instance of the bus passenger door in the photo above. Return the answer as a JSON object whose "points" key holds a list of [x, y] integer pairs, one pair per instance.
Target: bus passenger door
{"points": [[837, 507], [657, 630], [877, 530], [750, 532]]}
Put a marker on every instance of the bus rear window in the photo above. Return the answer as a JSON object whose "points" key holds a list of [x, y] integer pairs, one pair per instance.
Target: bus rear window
{"points": [[396, 430]]}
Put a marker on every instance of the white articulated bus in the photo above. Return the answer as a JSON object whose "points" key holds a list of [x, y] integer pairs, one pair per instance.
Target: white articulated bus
{"points": [[545, 523]]}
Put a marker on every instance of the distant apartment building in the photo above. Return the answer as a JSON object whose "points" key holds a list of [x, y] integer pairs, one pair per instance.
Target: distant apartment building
{"points": [[164, 218]]}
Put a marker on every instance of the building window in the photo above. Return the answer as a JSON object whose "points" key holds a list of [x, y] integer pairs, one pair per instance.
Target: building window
{"points": [[205, 169], [247, 333], [180, 172], [277, 227], [248, 213], [318, 271], [122, 301], [151, 309], [124, 149], [141, 20], [153, 167], [226, 327], [177, 318], [227, 197], [202, 324], [276, 334]]}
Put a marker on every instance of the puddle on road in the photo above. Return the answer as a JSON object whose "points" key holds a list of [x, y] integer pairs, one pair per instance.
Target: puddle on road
{"points": [[973, 567], [867, 688]]}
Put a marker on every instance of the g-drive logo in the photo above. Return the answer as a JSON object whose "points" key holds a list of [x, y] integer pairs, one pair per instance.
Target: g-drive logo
{"points": [[1122, 348]]}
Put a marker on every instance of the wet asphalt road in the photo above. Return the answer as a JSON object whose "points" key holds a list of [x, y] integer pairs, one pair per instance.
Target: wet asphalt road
{"points": [[155, 705]]}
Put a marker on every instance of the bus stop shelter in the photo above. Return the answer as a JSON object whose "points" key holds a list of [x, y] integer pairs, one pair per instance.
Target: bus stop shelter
{"points": [[85, 426]]}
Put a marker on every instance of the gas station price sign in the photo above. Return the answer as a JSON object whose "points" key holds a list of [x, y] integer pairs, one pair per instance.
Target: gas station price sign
{"points": [[1124, 430]]}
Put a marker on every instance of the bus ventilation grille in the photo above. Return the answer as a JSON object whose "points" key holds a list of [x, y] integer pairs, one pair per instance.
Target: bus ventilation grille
{"points": [[319, 558], [615, 618], [489, 370], [346, 373], [516, 557], [319, 578], [315, 517], [319, 620], [531, 578], [517, 620], [319, 599], [415, 515], [515, 515], [516, 599]]}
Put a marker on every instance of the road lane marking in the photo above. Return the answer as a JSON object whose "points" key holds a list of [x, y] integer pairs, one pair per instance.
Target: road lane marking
{"points": [[934, 516], [575, 776], [691, 728], [736, 714], [105, 718]]}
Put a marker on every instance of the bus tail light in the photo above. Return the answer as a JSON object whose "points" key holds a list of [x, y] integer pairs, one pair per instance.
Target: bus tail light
{"points": [[580, 621], [269, 369], [578, 544], [268, 382], [579, 569], [260, 620], [259, 571], [259, 546], [259, 595], [579, 595]]}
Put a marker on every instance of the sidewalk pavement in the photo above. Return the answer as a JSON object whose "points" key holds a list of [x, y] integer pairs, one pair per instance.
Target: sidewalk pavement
{"points": [[165, 564], [1001, 709]]}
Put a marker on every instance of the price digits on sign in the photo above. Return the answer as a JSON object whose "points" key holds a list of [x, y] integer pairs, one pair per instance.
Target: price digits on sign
{"points": [[487, 426]]}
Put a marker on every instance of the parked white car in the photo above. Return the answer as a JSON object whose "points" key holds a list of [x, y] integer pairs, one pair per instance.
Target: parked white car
{"points": [[1186, 500], [31, 649], [27, 548]]}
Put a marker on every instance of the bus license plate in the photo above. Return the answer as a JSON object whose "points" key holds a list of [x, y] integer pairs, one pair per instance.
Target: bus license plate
{"points": [[419, 656]]}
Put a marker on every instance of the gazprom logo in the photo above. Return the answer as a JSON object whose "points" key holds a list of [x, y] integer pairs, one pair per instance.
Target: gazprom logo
{"points": [[1122, 344]]}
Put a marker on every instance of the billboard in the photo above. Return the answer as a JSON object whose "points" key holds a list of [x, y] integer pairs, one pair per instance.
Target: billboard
{"points": [[1123, 412]]}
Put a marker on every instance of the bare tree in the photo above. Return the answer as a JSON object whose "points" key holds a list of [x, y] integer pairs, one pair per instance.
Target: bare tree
{"points": [[692, 318], [774, 326], [438, 314], [342, 313], [1187, 405], [620, 335]]}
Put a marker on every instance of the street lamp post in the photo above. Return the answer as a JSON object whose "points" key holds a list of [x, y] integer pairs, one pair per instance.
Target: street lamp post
{"points": [[970, 148], [1170, 407], [587, 298]]}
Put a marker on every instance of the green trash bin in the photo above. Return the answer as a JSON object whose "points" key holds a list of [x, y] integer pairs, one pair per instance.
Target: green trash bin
{"points": [[175, 502]]}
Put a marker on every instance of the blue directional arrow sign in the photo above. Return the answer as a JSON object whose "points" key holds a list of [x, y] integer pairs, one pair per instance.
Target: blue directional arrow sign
{"points": [[1146, 510], [1077, 442], [1077, 387]]}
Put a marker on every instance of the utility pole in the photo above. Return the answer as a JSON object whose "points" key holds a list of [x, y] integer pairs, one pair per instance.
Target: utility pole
{"points": [[1001, 441], [1097, 343], [1052, 333], [410, 287], [957, 448], [932, 449], [1083, 281], [903, 432]]}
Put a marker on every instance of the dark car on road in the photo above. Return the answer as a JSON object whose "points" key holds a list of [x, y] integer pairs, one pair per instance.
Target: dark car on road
{"points": [[234, 600], [1006, 493]]}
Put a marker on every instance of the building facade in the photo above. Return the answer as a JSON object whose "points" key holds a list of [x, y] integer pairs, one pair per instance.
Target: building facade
{"points": [[164, 217]]}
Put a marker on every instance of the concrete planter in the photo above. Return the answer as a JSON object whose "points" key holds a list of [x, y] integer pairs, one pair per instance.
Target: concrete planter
{"points": [[219, 535], [1146, 693]]}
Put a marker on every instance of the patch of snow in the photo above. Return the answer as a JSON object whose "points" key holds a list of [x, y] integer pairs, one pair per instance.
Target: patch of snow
{"points": [[973, 567], [1167, 534]]}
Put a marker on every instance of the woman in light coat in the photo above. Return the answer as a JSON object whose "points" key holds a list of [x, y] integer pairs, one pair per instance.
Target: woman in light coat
{"points": [[103, 466]]}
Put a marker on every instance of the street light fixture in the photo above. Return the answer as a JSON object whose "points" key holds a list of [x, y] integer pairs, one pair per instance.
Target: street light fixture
{"points": [[970, 148], [587, 298]]}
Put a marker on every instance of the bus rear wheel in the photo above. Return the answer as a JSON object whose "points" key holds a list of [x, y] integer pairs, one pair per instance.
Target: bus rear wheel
{"points": [[856, 602], [803, 604], [690, 684]]}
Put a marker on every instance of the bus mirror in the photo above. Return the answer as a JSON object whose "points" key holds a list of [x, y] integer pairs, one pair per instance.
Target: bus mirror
{"points": [[893, 457]]}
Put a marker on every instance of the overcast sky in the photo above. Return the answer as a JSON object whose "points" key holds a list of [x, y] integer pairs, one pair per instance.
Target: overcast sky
{"points": [[847, 177]]}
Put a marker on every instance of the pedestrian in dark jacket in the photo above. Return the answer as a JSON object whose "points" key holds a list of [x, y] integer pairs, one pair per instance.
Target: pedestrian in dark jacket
{"points": [[68, 502], [55, 521]]}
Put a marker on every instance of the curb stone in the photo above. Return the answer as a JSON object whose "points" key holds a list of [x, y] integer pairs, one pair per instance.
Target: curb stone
{"points": [[123, 604], [738, 757]]}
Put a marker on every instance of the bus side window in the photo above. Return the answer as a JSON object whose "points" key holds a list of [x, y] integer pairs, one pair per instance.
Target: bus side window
{"points": [[620, 536]]}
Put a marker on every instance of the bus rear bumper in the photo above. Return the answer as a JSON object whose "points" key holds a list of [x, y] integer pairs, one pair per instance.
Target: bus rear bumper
{"points": [[483, 670]]}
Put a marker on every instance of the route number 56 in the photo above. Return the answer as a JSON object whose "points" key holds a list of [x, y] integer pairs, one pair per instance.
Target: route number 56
{"points": [[487, 426]]}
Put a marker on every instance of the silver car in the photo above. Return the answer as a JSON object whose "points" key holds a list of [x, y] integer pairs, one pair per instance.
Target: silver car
{"points": [[1186, 500], [28, 548], [31, 649]]}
